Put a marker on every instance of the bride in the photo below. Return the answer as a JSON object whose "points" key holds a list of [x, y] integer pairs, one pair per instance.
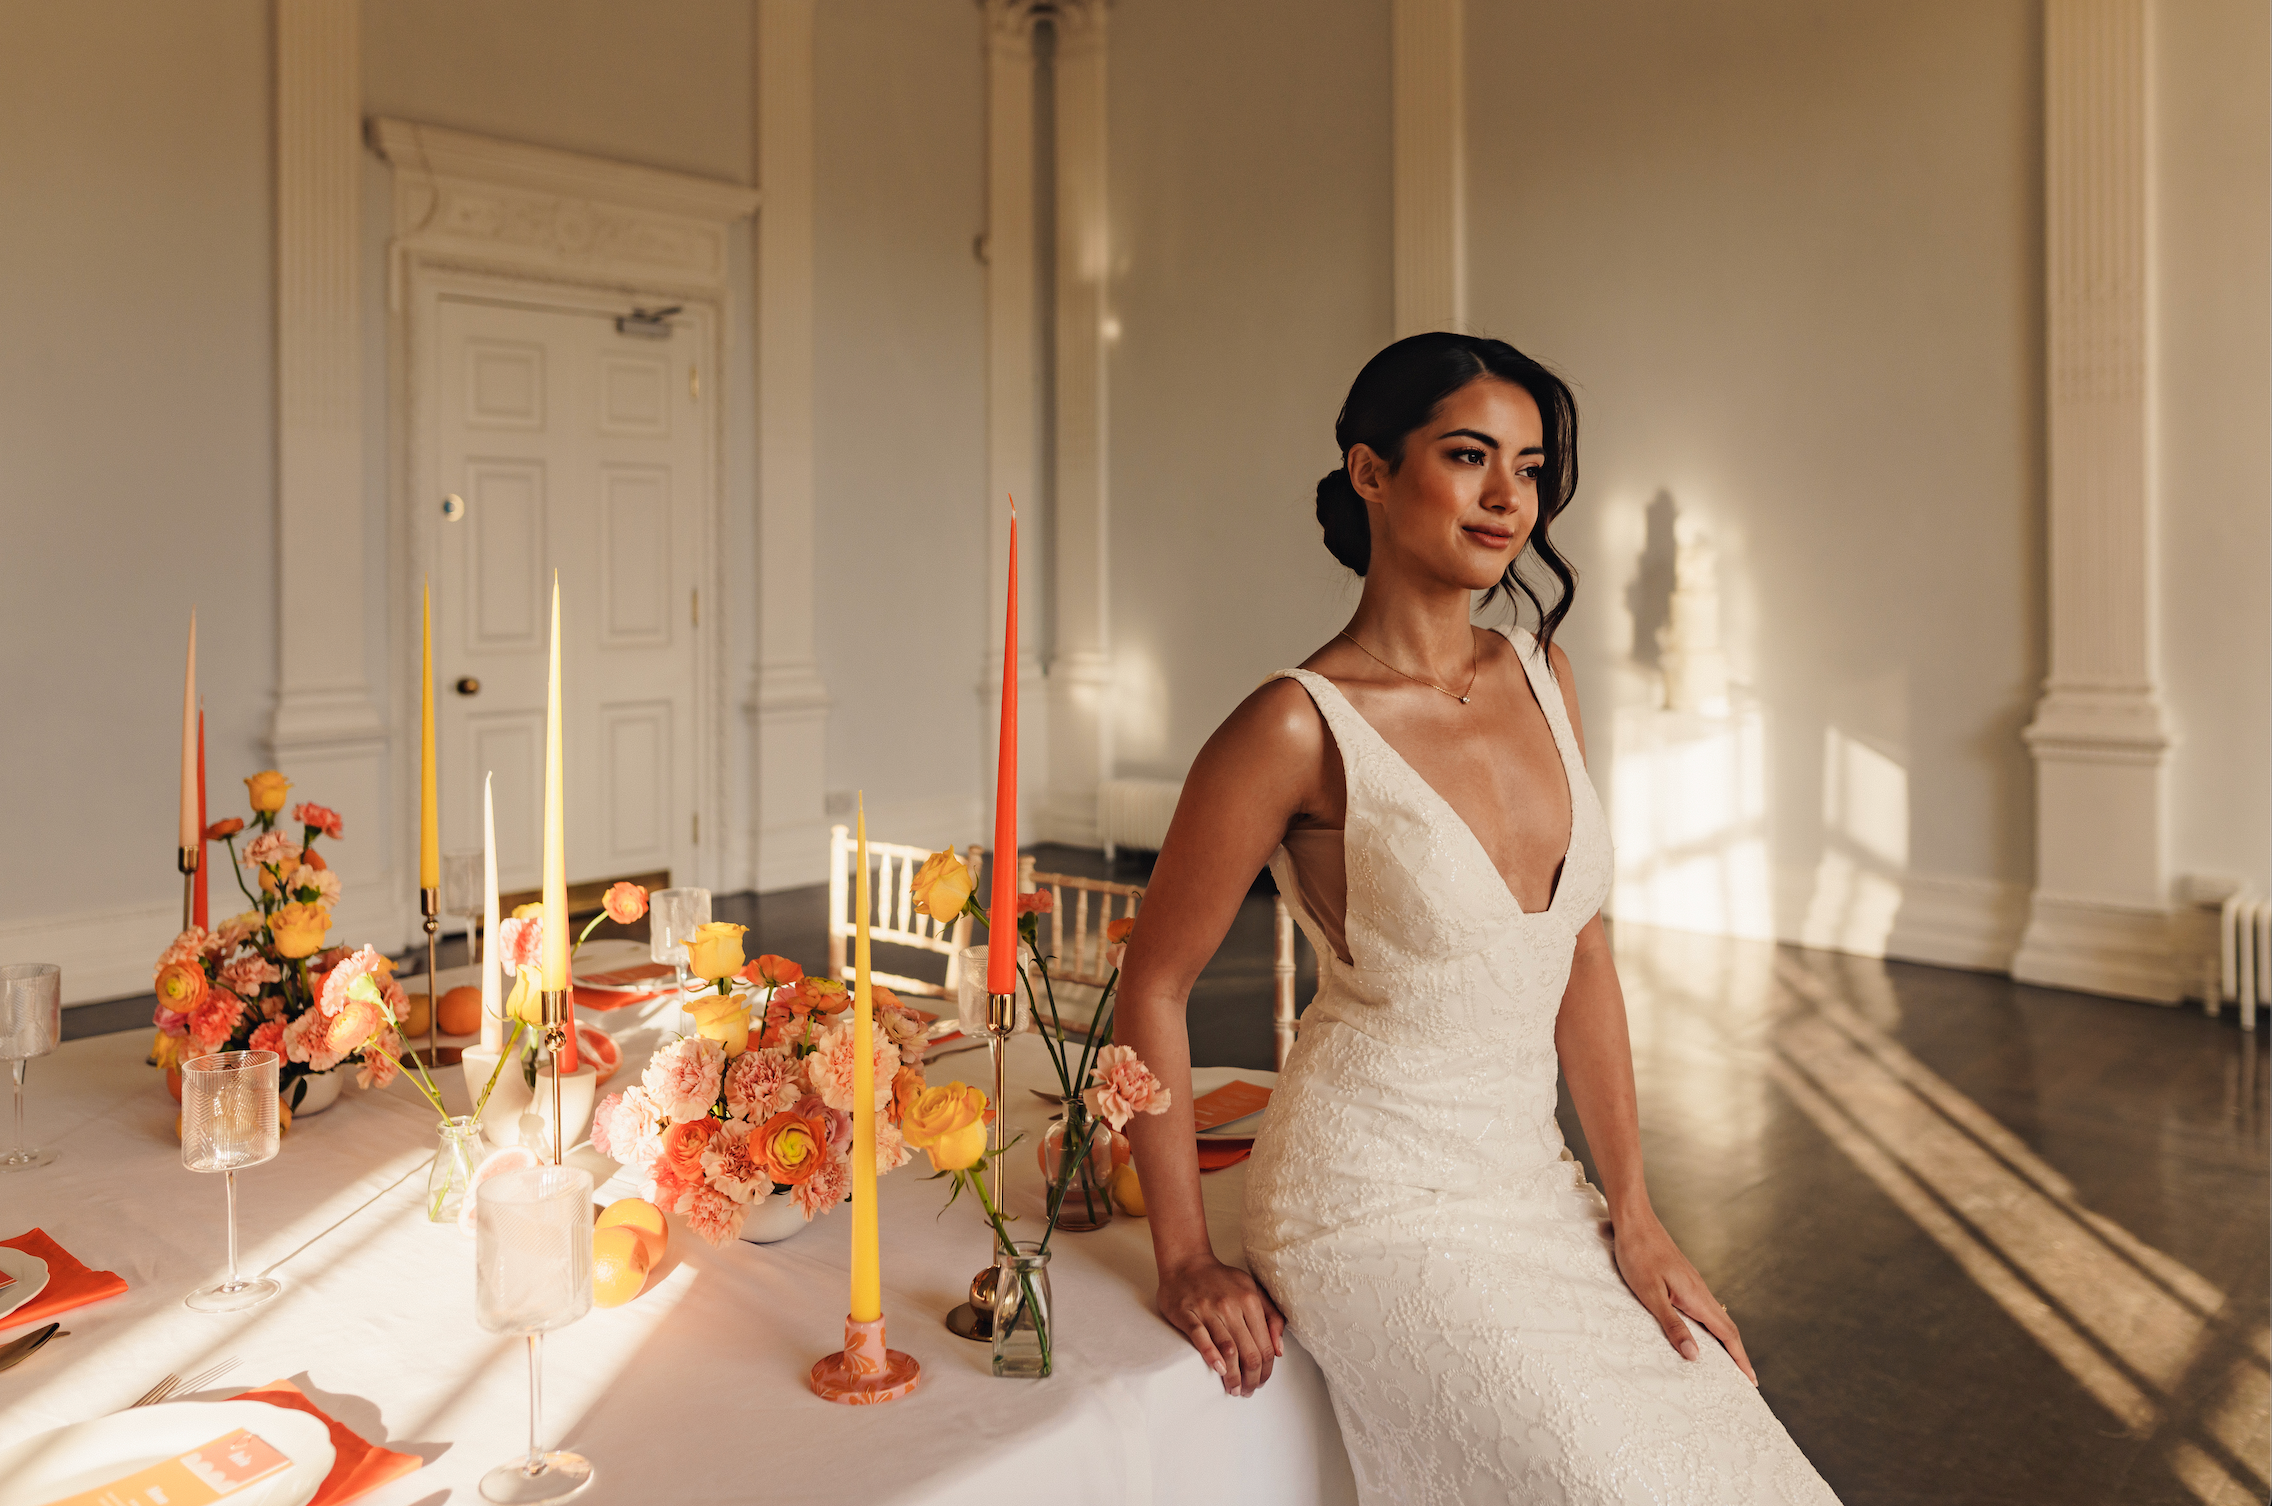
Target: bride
{"points": [[1492, 1328]]}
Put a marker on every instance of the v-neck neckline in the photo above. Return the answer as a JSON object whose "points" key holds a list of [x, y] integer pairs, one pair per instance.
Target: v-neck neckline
{"points": [[1569, 843]]}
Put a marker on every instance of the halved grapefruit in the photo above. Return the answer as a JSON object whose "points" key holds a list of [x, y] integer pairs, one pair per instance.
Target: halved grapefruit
{"points": [[599, 1048], [511, 1158]]}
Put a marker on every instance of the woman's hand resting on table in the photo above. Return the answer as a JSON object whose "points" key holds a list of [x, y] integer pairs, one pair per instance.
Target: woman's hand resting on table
{"points": [[1668, 1286], [1231, 1322]]}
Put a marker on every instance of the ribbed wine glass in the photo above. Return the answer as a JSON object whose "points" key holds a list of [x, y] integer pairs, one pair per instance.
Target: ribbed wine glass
{"points": [[532, 1256], [31, 1024], [674, 915], [228, 1122]]}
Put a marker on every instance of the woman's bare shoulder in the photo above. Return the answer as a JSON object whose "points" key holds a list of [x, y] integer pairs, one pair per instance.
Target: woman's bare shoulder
{"points": [[1277, 722]]}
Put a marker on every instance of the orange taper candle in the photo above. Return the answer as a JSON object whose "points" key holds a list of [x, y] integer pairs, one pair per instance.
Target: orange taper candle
{"points": [[190, 830], [1002, 928]]}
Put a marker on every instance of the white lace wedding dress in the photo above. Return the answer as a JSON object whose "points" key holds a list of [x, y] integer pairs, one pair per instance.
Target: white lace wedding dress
{"points": [[1411, 1206]]}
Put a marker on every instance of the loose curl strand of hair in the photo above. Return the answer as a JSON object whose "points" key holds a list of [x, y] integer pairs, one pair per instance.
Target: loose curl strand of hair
{"points": [[1400, 391]]}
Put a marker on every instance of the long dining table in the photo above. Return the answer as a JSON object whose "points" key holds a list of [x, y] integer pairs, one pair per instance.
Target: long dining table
{"points": [[696, 1390]]}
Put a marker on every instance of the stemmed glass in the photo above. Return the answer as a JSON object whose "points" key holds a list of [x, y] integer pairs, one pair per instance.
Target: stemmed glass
{"points": [[31, 1024], [462, 896], [674, 915], [228, 1122], [532, 1264]]}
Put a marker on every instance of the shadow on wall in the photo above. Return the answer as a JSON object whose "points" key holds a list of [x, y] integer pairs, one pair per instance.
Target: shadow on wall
{"points": [[1690, 777]]}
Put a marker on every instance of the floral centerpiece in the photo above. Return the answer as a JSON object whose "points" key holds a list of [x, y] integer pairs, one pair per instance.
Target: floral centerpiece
{"points": [[757, 1103], [266, 980]]}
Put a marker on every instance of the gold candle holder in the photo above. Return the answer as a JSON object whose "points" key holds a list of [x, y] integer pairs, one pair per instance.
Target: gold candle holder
{"points": [[975, 1319], [554, 1006], [435, 1054], [186, 858]]}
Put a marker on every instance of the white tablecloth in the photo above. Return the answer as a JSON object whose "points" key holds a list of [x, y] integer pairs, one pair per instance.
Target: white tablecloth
{"points": [[693, 1392]]}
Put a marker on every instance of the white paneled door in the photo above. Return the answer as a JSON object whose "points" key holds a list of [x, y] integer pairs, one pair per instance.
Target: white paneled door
{"points": [[578, 449]]}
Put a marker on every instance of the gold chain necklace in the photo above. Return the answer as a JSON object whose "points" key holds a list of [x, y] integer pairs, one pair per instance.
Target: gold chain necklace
{"points": [[1472, 671]]}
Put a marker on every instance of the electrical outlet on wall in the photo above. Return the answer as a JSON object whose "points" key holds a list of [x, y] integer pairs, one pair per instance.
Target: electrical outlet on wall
{"points": [[839, 803]]}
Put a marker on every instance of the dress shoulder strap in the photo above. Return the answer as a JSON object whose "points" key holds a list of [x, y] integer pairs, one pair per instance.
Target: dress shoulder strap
{"points": [[1540, 669]]}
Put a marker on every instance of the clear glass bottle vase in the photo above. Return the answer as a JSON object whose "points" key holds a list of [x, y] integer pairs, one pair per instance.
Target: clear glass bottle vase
{"points": [[459, 1148], [1024, 1329], [1081, 1194]]}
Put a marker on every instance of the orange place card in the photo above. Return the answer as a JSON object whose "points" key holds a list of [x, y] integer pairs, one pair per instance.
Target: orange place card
{"points": [[6, 1281], [1233, 1100], [203, 1475]]}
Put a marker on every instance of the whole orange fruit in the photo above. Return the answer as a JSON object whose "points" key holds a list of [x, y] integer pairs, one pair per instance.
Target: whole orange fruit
{"points": [[619, 1265]]}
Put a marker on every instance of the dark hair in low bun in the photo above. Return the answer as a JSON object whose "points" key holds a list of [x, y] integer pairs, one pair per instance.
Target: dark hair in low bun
{"points": [[1341, 513], [1399, 391]]}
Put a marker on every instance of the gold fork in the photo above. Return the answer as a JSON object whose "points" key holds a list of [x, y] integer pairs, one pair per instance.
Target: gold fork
{"points": [[173, 1383]]}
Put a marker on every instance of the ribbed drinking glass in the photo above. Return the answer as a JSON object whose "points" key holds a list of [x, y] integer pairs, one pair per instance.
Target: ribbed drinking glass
{"points": [[228, 1122], [673, 916], [532, 1256], [31, 1024]]}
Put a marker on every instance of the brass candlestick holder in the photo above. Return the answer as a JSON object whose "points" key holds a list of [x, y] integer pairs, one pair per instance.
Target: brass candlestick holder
{"points": [[975, 1319], [555, 1017], [435, 1054], [186, 857]]}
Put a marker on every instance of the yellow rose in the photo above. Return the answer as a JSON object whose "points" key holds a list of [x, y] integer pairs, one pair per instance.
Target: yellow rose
{"points": [[287, 866], [941, 886], [949, 1121], [267, 791], [533, 907], [299, 929], [526, 1003], [724, 1019], [716, 950]]}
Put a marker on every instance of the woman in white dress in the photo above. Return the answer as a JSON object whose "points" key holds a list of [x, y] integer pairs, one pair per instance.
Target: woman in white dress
{"points": [[1493, 1328]]}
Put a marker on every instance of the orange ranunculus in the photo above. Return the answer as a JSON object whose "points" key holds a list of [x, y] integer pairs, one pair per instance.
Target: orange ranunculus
{"points": [[624, 903], [180, 986], [1118, 930], [790, 1147], [1040, 902], [942, 885], [715, 951], [770, 971], [906, 1084], [299, 929], [679, 1166], [266, 790], [221, 829], [825, 995], [356, 1022], [950, 1122]]}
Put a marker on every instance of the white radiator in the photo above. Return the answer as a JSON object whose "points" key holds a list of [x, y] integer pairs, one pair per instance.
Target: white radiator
{"points": [[2244, 955], [1135, 813]]}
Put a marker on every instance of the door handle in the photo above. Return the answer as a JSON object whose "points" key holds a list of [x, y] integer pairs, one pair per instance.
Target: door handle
{"points": [[468, 685]]}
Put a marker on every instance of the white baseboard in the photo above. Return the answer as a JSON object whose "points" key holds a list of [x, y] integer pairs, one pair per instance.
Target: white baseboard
{"points": [[1958, 922], [2099, 947]]}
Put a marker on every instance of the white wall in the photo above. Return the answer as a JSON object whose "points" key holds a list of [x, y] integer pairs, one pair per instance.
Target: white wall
{"points": [[1788, 253], [900, 433], [1249, 187], [2213, 416], [137, 421]]}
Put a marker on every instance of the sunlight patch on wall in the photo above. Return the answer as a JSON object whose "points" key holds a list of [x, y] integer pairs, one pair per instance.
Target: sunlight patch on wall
{"points": [[1865, 821], [1688, 796], [1139, 711]]}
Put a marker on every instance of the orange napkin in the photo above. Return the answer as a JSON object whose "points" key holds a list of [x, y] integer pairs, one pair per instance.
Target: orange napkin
{"points": [[69, 1284], [601, 1000], [358, 1466], [1214, 1155]]}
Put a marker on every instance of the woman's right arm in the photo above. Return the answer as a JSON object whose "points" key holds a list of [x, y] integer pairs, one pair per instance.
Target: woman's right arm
{"points": [[1257, 773]]}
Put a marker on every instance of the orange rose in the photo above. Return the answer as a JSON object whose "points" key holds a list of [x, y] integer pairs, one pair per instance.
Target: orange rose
{"points": [[950, 1122], [942, 885], [715, 951], [680, 1164], [180, 986], [790, 1147], [299, 929], [724, 1019], [266, 790]]}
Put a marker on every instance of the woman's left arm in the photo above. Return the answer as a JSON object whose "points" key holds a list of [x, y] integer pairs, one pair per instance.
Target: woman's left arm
{"points": [[1597, 1062]]}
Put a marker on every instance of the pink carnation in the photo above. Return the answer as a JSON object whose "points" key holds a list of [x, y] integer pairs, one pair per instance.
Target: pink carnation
{"points": [[730, 1168], [761, 1084], [904, 1031], [1125, 1087], [214, 1018], [682, 1079], [186, 947], [825, 1188], [891, 1147], [247, 973], [381, 1059], [620, 1122], [308, 1040], [272, 849], [830, 1066], [711, 1213], [520, 943], [268, 1037], [357, 965], [236, 928], [322, 817]]}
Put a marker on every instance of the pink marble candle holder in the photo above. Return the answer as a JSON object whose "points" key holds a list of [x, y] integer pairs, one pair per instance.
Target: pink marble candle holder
{"points": [[865, 1371]]}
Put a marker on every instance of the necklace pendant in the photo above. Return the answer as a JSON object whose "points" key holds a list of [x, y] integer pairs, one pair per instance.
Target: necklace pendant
{"points": [[1463, 700]]}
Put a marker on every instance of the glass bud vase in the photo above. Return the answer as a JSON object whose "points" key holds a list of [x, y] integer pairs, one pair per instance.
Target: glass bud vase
{"points": [[1087, 1188], [1024, 1332], [459, 1149]]}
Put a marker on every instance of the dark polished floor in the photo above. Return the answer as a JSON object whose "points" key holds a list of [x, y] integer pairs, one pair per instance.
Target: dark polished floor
{"points": [[1989, 1245]]}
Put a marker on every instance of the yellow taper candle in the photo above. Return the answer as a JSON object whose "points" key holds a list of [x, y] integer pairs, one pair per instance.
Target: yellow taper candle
{"points": [[429, 811], [867, 1272], [555, 958]]}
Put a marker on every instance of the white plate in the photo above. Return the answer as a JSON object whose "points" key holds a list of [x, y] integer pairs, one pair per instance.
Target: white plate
{"points": [[86, 1455], [1205, 1080], [609, 956], [31, 1279]]}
